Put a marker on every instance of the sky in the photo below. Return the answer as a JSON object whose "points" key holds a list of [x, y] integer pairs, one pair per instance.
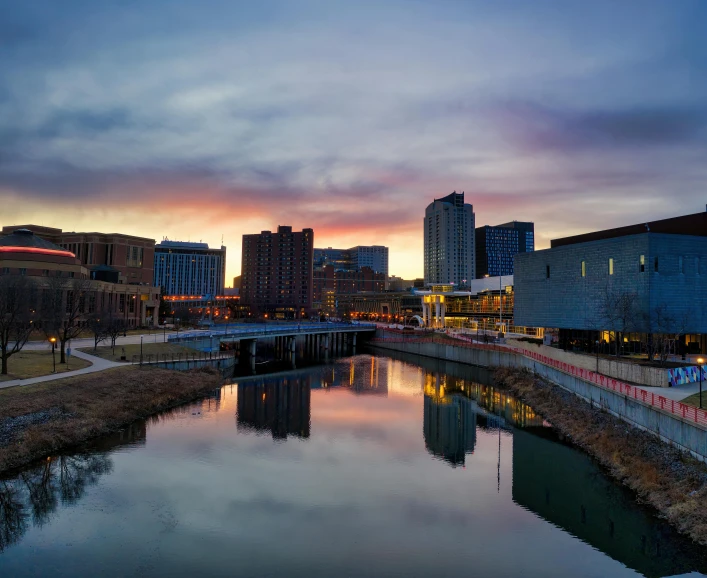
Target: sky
{"points": [[202, 120]]}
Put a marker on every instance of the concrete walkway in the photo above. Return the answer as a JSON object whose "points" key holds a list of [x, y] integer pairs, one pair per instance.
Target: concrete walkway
{"points": [[98, 365], [678, 393]]}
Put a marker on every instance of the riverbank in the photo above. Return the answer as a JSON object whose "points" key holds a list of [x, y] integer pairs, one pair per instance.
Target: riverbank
{"points": [[41, 419], [671, 481]]}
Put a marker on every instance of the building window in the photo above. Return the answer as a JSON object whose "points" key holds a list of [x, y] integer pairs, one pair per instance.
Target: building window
{"points": [[655, 264], [45, 272], [642, 264], [23, 271], [680, 269], [547, 271], [611, 266], [584, 268], [697, 265]]}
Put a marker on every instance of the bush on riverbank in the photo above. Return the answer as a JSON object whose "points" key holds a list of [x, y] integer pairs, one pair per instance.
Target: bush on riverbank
{"points": [[37, 420], [662, 476]]}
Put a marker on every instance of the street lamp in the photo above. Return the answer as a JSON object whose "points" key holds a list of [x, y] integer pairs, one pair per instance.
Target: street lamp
{"points": [[700, 361], [52, 340]]}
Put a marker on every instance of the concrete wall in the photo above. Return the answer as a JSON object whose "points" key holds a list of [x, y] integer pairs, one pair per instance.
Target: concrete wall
{"points": [[671, 428], [625, 371]]}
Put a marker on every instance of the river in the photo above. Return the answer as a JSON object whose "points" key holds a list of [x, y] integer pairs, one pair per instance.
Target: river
{"points": [[366, 466]]}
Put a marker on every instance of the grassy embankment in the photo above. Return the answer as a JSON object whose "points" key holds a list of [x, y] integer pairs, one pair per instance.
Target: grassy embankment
{"points": [[26, 364], [662, 476], [134, 349], [41, 419]]}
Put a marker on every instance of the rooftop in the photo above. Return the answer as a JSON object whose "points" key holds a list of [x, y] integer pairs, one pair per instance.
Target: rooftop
{"points": [[25, 241], [694, 225]]}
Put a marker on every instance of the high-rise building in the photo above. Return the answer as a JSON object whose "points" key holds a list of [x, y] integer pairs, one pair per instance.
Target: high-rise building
{"points": [[276, 272], [184, 268], [449, 241], [497, 246], [375, 257]]}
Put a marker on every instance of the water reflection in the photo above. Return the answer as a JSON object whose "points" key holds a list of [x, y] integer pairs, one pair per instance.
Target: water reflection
{"points": [[566, 488], [33, 495], [281, 406], [407, 454]]}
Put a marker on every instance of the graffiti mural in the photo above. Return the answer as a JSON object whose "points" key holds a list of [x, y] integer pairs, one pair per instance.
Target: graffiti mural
{"points": [[684, 375]]}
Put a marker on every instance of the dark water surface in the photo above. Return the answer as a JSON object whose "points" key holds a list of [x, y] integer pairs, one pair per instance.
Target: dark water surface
{"points": [[369, 466]]}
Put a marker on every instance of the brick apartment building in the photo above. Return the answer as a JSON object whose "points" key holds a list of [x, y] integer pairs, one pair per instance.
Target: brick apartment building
{"points": [[276, 273]]}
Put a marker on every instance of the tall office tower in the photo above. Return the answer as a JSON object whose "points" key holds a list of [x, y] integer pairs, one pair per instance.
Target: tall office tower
{"points": [[184, 268], [497, 246], [276, 273], [449, 241]]}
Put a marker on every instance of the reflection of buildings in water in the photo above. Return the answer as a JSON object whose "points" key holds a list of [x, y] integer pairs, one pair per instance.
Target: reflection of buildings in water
{"points": [[367, 375], [495, 407], [566, 488], [449, 423], [281, 406], [404, 378]]}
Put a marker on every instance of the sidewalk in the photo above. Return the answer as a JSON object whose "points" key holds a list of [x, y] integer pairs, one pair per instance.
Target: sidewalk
{"points": [[98, 365]]}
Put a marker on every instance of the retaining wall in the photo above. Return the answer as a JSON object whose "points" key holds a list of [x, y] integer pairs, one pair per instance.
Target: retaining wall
{"points": [[690, 437], [622, 370]]}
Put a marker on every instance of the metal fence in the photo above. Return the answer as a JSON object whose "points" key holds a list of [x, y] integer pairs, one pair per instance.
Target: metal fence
{"points": [[264, 330], [186, 357]]}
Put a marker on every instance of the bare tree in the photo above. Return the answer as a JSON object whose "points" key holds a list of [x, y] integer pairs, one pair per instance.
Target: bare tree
{"points": [[63, 308], [16, 313], [665, 330], [98, 324], [114, 326], [619, 312]]}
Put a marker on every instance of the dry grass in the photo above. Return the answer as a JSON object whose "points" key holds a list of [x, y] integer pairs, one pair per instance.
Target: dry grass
{"points": [[694, 399], [662, 476], [134, 349], [26, 364], [93, 405]]}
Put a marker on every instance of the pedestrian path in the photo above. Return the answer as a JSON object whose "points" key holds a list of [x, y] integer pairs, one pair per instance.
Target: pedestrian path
{"points": [[98, 365]]}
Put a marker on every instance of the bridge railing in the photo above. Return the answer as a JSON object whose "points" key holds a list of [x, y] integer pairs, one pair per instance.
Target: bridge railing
{"points": [[263, 330]]}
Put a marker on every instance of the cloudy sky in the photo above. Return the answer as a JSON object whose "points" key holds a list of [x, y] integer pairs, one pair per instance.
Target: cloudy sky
{"points": [[194, 120]]}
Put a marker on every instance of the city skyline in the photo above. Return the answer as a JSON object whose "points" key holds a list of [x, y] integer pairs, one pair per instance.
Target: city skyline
{"points": [[205, 120]]}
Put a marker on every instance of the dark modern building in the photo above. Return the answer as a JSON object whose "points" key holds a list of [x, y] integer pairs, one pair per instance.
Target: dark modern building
{"points": [[656, 270], [497, 246], [375, 257], [192, 269], [277, 273], [449, 241]]}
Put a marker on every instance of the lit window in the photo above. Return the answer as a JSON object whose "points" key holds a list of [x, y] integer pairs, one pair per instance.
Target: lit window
{"points": [[584, 268], [611, 266], [642, 264]]}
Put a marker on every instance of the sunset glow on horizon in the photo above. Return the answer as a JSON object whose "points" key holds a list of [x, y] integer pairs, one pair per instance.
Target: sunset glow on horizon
{"points": [[207, 121]]}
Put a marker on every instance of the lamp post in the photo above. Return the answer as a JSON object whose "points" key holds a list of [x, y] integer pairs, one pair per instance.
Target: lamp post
{"points": [[700, 361], [52, 340]]}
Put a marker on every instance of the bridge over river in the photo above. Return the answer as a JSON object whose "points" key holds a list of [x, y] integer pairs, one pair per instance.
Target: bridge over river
{"points": [[327, 337]]}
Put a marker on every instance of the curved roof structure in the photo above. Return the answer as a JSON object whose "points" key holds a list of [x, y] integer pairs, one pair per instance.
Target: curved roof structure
{"points": [[25, 241]]}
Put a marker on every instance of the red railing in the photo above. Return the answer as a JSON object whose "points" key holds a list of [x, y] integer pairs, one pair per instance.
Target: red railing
{"points": [[684, 411]]}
